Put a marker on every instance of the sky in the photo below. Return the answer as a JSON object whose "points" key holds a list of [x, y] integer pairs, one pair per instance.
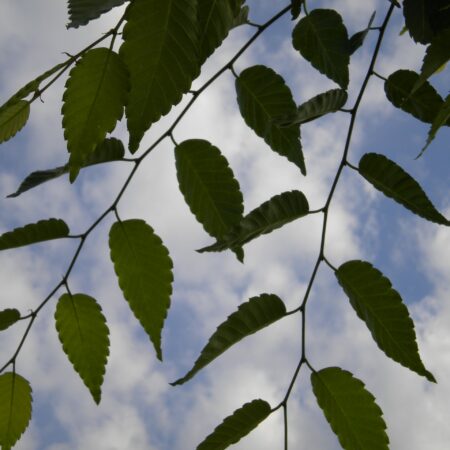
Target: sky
{"points": [[139, 409]]}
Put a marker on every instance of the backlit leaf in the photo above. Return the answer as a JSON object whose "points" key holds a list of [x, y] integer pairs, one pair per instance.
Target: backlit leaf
{"points": [[8, 317], [241, 18], [296, 9], [83, 11], [357, 40], [13, 118]]}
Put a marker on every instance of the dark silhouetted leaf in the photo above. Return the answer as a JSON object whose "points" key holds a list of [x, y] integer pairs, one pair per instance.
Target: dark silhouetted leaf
{"points": [[321, 38], [296, 9], [350, 410], [394, 182], [383, 311], [144, 270], [252, 316], [357, 40], [241, 18], [236, 426], [8, 317], [263, 97], [83, 11], [13, 118]]}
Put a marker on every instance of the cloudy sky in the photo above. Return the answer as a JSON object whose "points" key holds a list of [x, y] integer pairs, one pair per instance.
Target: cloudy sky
{"points": [[139, 409]]}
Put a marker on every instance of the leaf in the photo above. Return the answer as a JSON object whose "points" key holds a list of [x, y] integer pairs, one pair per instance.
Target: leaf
{"points": [[144, 270], [83, 11], [251, 316], [350, 409], [296, 8], [272, 214], [262, 97], [44, 230], [15, 408], [8, 317], [13, 118], [94, 99], [357, 40], [161, 51], [383, 311], [321, 38], [235, 427], [241, 18], [417, 20], [84, 336]]}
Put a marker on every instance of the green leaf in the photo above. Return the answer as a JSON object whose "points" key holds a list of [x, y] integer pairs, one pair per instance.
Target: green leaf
{"points": [[15, 408], [161, 51], [357, 40], [321, 38], [263, 97], [144, 270], [94, 99], [394, 182], [13, 118], [84, 336], [350, 410], [241, 18], [83, 11], [296, 8], [251, 316], [44, 230], [8, 317], [272, 214], [235, 427], [383, 311]]}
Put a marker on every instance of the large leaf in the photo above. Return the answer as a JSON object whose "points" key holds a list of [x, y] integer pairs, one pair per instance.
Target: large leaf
{"points": [[235, 427], [263, 97], [357, 40], [383, 311], [94, 99], [144, 270], [394, 182], [161, 51], [321, 38], [83, 11], [272, 214], [13, 118], [84, 336], [8, 317], [15, 408], [252, 316], [350, 410], [209, 187], [44, 230]]}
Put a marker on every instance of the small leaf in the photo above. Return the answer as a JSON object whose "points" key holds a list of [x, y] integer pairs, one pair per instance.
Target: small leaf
{"points": [[44, 230], [263, 97], [321, 38], [13, 118], [144, 270], [84, 336], [235, 427], [383, 311], [251, 316], [8, 317], [241, 18], [83, 11], [15, 408], [296, 8], [350, 410], [208, 186], [394, 182], [357, 40]]}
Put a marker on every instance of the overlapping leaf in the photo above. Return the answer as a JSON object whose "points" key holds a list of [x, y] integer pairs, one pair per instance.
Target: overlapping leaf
{"points": [[251, 316], [357, 40], [236, 426], [15, 408], [84, 336], [8, 317], [383, 311], [264, 97], [13, 118], [161, 51], [144, 270], [394, 182], [350, 409], [44, 230], [83, 11], [322, 39]]}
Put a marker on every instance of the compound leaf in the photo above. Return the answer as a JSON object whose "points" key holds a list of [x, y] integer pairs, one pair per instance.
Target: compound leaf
{"points": [[8, 317], [83, 11], [13, 118], [357, 40]]}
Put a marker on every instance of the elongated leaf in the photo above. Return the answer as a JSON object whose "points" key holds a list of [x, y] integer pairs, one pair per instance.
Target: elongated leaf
{"points": [[13, 118], [84, 336], [94, 99], [296, 8], [394, 182], [44, 230], [241, 18], [8, 317], [350, 409], [263, 97], [357, 40], [83, 11], [322, 39], [276, 212], [15, 408], [144, 270], [383, 311], [161, 51], [251, 316], [235, 427]]}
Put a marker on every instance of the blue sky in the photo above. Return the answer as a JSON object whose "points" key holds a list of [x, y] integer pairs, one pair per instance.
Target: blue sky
{"points": [[139, 409]]}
